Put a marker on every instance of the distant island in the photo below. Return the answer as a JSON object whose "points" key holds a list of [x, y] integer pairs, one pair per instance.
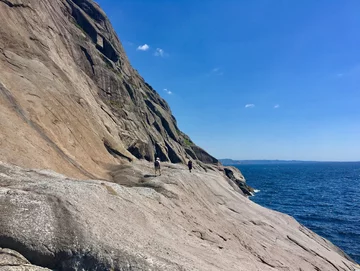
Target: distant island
{"points": [[227, 162]]}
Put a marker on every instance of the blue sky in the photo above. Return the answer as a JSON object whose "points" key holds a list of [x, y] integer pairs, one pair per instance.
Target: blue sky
{"points": [[259, 79]]}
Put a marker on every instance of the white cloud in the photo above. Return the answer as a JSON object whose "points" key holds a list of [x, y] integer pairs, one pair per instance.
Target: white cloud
{"points": [[249, 106], [276, 106], [144, 47], [217, 71], [168, 91], [159, 52]]}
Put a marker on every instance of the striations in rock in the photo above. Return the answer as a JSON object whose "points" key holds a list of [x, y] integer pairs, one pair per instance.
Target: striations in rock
{"points": [[178, 221], [70, 100]]}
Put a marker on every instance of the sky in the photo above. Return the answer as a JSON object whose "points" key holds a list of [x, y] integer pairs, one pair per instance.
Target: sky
{"points": [[259, 79]]}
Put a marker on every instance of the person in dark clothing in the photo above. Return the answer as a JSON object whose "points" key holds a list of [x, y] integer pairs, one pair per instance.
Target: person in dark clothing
{"points": [[190, 165], [157, 166]]}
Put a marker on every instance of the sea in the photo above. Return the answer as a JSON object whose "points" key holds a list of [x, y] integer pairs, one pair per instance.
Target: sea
{"points": [[325, 197]]}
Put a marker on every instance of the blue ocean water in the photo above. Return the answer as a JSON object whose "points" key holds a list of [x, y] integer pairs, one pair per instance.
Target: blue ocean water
{"points": [[325, 197]]}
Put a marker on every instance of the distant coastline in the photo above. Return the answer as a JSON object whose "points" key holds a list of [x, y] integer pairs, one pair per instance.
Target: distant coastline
{"points": [[228, 162]]}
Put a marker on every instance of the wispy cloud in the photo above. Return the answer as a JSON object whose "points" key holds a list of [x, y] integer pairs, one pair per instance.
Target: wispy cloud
{"points": [[168, 91], [249, 105], [216, 71], [160, 52], [144, 47], [353, 71], [276, 106]]}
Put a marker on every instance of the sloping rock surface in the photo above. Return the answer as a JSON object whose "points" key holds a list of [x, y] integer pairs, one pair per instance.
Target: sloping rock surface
{"points": [[178, 221], [71, 102], [13, 261], [69, 98]]}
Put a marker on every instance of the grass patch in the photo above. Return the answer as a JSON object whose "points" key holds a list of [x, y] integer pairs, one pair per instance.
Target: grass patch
{"points": [[188, 142]]}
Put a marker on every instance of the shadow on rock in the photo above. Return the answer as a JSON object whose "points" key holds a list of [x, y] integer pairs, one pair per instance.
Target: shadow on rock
{"points": [[129, 176], [149, 176]]}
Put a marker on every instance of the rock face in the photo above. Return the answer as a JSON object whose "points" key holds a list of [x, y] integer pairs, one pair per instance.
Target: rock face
{"points": [[71, 102], [238, 179], [13, 261], [69, 99], [179, 221]]}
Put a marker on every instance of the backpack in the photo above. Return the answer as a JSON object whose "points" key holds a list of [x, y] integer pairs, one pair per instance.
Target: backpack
{"points": [[157, 164]]}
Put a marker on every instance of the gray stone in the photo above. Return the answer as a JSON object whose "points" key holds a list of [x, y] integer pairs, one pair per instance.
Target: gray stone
{"points": [[13, 261], [238, 179], [176, 221]]}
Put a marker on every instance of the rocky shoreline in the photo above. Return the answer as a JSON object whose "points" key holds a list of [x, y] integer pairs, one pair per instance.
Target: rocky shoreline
{"points": [[80, 129], [176, 221]]}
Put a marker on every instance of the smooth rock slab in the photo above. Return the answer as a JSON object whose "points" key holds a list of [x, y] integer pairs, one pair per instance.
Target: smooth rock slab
{"points": [[179, 221]]}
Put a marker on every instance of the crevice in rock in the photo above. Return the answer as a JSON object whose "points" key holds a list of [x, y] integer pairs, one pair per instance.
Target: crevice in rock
{"points": [[167, 128], [141, 150], [265, 262], [89, 58], [107, 61], [157, 127], [233, 210], [173, 156], [346, 265], [90, 10], [15, 5], [83, 22], [190, 153], [115, 152], [129, 90], [151, 106], [108, 50], [159, 153], [222, 237], [311, 251], [298, 244], [114, 120], [327, 261], [102, 44]]}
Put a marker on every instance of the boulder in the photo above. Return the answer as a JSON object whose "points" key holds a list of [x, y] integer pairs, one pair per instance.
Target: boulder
{"points": [[13, 261], [238, 179]]}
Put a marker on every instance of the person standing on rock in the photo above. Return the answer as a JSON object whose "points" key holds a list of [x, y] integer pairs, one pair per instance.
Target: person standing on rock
{"points": [[157, 166], [190, 165]]}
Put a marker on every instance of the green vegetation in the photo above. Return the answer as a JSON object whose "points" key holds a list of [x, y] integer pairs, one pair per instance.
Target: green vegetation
{"points": [[188, 142]]}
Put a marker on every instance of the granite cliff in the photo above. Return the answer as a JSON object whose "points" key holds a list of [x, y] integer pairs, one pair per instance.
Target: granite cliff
{"points": [[70, 100], [72, 106]]}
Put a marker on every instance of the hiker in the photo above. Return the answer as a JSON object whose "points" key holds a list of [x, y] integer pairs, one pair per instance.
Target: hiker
{"points": [[190, 165], [157, 165]]}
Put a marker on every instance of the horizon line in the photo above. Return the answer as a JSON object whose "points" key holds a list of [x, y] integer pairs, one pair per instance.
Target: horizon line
{"points": [[293, 160]]}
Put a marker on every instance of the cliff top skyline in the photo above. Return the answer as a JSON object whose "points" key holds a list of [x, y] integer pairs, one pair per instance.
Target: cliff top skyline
{"points": [[252, 80]]}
